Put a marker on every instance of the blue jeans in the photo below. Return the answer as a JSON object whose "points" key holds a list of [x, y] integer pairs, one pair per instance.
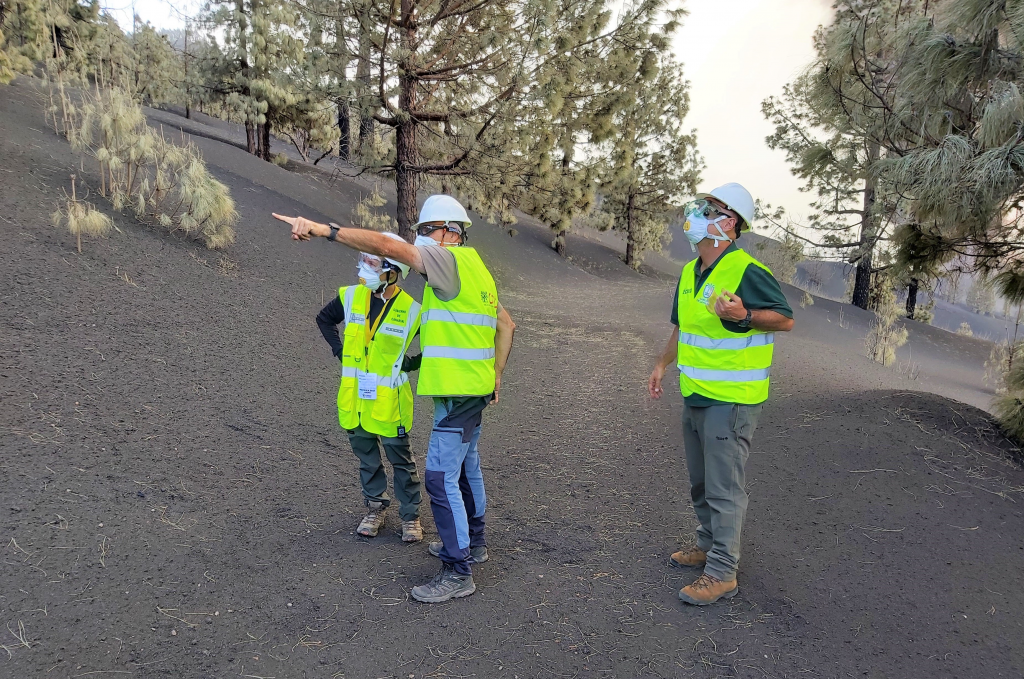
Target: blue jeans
{"points": [[455, 483]]}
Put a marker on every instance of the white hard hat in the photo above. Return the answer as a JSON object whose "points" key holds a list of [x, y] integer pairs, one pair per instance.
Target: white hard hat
{"points": [[404, 268], [736, 198], [442, 208]]}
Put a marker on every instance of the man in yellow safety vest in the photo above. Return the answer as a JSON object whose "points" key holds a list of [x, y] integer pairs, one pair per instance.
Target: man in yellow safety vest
{"points": [[374, 398], [727, 309], [466, 337]]}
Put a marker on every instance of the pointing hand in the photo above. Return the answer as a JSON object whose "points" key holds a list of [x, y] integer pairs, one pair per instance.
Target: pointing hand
{"points": [[303, 228]]}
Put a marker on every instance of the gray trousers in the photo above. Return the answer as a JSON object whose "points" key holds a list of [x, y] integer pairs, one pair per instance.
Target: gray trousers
{"points": [[717, 440], [373, 478]]}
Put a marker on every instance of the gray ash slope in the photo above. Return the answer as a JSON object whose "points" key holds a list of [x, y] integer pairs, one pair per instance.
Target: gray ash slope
{"points": [[184, 400]]}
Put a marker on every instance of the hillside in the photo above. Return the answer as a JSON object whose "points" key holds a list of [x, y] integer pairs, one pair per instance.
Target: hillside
{"points": [[179, 501]]}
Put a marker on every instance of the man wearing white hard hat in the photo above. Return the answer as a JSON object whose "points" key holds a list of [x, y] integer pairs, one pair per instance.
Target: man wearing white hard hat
{"points": [[374, 397], [726, 310], [466, 338]]}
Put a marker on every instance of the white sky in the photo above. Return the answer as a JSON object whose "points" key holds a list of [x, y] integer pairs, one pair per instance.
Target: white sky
{"points": [[735, 53]]}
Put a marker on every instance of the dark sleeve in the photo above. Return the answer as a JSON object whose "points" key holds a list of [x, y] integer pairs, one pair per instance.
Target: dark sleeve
{"points": [[412, 363], [332, 315], [759, 290], [675, 306]]}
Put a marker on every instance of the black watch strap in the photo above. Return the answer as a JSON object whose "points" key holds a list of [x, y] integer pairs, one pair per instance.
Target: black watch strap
{"points": [[745, 323], [334, 231]]}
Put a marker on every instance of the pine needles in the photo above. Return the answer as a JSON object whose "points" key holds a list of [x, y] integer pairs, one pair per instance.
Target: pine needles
{"points": [[161, 182], [80, 218], [886, 334]]}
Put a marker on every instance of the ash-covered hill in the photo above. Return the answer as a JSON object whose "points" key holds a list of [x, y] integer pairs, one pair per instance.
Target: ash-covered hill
{"points": [[178, 500]]}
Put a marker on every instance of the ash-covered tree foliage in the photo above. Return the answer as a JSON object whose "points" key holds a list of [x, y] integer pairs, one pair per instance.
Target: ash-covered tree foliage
{"points": [[161, 182], [836, 128], [652, 162], [491, 101]]}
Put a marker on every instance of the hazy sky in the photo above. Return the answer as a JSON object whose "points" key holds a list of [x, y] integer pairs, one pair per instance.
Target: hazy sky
{"points": [[735, 54]]}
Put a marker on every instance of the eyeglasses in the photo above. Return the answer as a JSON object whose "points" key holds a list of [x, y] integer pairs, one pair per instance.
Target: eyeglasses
{"points": [[427, 229], [704, 208], [375, 263]]}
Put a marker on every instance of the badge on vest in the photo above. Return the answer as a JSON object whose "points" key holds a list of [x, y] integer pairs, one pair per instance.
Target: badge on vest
{"points": [[708, 297], [367, 386], [358, 319], [393, 330]]}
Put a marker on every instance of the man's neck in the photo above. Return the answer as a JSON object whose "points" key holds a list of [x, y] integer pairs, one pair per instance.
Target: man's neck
{"points": [[708, 253], [388, 292]]}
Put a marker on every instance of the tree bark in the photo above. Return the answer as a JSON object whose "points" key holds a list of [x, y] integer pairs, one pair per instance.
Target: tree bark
{"points": [[243, 64], [868, 237], [912, 298], [630, 240], [264, 140], [344, 129], [363, 78], [405, 133]]}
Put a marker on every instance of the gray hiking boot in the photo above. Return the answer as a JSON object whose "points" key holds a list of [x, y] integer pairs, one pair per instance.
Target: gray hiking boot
{"points": [[476, 554], [447, 584], [374, 519]]}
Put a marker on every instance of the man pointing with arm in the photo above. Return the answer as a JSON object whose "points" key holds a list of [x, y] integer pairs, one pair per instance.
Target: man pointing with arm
{"points": [[466, 338], [727, 309]]}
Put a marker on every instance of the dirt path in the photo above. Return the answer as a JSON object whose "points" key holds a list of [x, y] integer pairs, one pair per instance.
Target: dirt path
{"points": [[179, 502]]}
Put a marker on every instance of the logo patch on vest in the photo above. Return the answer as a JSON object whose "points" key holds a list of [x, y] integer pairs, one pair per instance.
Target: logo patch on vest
{"points": [[395, 330], [707, 292], [358, 319], [488, 298]]}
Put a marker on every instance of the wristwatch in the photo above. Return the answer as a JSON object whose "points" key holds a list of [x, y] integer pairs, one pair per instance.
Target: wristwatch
{"points": [[745, 323], [334, 231]]}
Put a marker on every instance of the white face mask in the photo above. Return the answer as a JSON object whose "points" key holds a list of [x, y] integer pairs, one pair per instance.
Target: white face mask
{"points": [[697, 228], [370, 278], [422, 241]]}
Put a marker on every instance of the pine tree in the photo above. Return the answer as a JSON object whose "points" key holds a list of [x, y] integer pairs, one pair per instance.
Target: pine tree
{"points": [[652, 165], [836, 133]]}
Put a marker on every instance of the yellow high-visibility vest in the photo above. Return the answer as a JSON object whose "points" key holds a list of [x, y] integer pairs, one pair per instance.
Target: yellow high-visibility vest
{"points": [[457, 337], [376, 360], [715, 362]]}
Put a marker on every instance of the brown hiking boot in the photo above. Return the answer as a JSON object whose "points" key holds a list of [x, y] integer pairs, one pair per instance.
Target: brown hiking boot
{"points": [[373, 520], [412, 531], [689, 556], [707, 589]]}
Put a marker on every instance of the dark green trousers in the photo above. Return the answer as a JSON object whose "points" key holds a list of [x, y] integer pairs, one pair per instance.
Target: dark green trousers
{"points": [[373, 478], [717, 441]]}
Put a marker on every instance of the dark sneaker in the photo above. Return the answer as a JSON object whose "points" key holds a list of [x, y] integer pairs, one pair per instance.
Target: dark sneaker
{"points": [[374, 519], [447, 584], [476, 554]]}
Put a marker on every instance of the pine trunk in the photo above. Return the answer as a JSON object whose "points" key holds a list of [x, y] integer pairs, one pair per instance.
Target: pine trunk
{"points": [[868, 237], [263, 145], [405, 134], [630, 239], [243, 65], [344, 129], [363, 78], [912, 298]]}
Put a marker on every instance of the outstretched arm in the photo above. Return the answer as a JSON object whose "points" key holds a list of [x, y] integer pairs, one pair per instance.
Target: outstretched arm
{"points": [[362, 240], [502, 347]]}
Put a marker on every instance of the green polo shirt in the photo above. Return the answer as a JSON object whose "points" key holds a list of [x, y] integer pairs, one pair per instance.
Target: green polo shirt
{"points": [[758, 289]]}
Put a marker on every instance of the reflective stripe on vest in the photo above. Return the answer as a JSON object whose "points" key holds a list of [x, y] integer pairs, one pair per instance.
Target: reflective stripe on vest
{"points": [[445, 316], [457, 336], [728, 342], [725, 375], [732, 367], [382, 358], [460, 354]]}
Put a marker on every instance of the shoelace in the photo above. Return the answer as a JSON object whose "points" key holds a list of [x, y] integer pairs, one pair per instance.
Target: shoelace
{"points": [[704, 581]]}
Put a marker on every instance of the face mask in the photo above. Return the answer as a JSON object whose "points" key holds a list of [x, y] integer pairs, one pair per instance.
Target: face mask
{"points": [[697, 228], [422, 241], [370, 278]]}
